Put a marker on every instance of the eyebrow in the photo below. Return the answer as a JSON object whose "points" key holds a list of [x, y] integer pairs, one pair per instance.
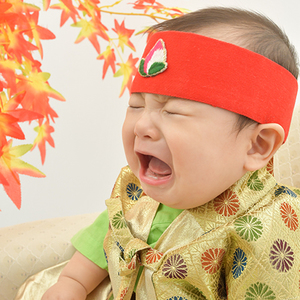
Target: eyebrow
{"points": [[162, 98]]}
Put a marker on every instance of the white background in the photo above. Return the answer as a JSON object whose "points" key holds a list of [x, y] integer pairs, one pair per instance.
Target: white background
{"points": [[88, 154]]}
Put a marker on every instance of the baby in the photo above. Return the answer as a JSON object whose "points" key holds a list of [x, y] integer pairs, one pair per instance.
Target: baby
{"points": [[197, 213]]}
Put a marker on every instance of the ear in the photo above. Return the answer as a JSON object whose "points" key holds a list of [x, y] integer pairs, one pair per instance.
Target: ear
{"points": [[265, 141]]}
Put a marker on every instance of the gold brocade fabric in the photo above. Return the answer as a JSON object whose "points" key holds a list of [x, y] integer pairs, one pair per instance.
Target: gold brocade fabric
{"points": [[244, 244], [35, 286]]}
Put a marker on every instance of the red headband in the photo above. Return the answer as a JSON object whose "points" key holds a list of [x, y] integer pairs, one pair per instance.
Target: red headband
{"points": [[195, 67]]}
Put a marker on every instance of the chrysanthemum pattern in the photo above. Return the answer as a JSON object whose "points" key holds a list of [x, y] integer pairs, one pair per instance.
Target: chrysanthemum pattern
{"points": [[239, 262], [123, 293], [254, 183], [249, 228], [270, 166], [133, 191], [227, 204], [211, 260], [259, 291], [297, 191], [153, 256], [132, 264], [285, 190], [281, 256], [118, 221], [289, 216], [175, 267]]}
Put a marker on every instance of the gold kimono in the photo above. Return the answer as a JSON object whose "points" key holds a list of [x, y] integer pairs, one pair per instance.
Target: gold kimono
{"points": [[241, 245]]}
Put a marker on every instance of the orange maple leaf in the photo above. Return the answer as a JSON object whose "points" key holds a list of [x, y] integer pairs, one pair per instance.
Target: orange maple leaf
{"points": [[7, 75], [127, 70], [44, 135], [9, 127], [46, 4], [10, 116], [4, 7], [10, 106], [6, 16], [124, 35], [140, 4], [22, 8], [109, 60], [37, 93], [38, 32], [91, 29], [68, 11], [17, 46], [90, 8], [10, 168]]}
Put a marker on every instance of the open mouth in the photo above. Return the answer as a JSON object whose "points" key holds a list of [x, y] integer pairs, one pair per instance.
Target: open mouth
{"points": [[154, 168]]}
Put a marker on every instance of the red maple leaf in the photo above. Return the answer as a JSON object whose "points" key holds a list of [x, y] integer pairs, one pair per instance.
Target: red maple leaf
{"points": [[68, 11], [91, 29], [109, 60], [4, 7], [10, 116], [44, 135], [37, 93], [140, 4], [7, 75], [127, 70], [10, 168], [46, 4], [16, 45], [90, 8], [37, 32], [9, 127], [124, 35]]}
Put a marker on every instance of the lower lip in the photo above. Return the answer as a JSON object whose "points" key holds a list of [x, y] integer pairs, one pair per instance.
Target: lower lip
{"points": [[153, 181]]}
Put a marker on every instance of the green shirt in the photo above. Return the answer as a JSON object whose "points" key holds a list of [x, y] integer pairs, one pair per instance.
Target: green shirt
{"points": [[89, 241]]}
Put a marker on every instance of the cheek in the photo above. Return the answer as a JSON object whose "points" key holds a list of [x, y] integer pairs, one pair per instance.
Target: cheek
{"points": [[127, 132], [128, 141]]}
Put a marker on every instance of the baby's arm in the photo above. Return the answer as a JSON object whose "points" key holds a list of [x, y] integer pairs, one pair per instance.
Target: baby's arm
{"points": [[79, 277]]}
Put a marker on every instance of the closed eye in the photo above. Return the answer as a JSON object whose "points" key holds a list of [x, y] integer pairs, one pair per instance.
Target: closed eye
{"points": [[135, 107], [169, 112]]}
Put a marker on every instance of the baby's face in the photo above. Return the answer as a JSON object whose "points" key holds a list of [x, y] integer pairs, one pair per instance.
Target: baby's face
{"points": [[185, 153]]}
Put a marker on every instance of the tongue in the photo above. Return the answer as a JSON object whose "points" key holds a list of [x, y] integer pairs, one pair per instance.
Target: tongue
{"points": [[159, 167]]}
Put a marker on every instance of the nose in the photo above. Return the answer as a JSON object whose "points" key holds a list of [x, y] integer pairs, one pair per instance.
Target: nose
{"points": [[146, 126]]}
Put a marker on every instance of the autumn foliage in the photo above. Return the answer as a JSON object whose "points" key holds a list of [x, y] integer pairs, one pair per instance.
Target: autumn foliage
{"points": [[25, 93], [111, 42]]}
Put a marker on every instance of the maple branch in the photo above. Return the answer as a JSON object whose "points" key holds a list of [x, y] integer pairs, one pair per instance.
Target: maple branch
{"points": [[133, 14], [117, 50], [112, 5]]}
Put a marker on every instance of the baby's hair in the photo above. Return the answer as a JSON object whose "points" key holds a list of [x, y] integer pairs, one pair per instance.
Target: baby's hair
{"points": [[246, 29]]}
